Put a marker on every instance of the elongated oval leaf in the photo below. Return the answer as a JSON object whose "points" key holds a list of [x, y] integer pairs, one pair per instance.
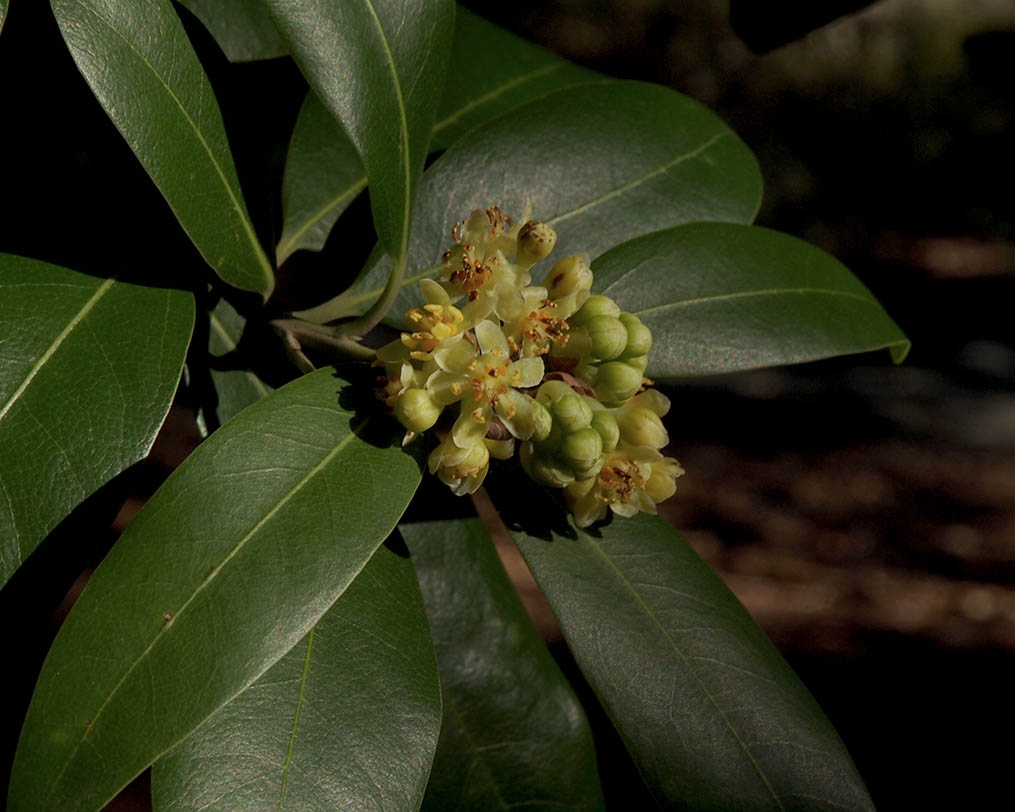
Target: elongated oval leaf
{"points": [[346, 720], [602, 163], [721, 297], [242, 28], [145, 74], [323, 175], [514, 734], [88, 369], [323, 170], [224, 570], [714, 718], [393, 57]]}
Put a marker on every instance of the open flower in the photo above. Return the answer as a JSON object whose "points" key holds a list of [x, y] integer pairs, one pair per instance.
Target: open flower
{"points": [[485, 381], [531, 321]]}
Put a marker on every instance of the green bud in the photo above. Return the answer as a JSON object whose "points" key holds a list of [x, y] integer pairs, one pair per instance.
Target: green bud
{"points": [[572, 412], [416, 410], [639, 337], [535, 242], [608, 337], [641, 426], [542, 421], [552, 391], [543, 468], [595, 305], [617, 382], [583, 451], [637, 362], [606, 425]]}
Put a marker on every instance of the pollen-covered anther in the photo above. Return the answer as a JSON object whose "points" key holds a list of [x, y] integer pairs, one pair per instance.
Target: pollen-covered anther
{"points": [[619, 481], [499, 222], [478, 416]]}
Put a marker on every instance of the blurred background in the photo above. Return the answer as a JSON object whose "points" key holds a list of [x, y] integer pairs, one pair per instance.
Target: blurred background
{"points": [[864, 513]]}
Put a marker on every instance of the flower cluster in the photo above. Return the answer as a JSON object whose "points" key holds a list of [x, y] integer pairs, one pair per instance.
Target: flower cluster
{"points": [[552, 369]]}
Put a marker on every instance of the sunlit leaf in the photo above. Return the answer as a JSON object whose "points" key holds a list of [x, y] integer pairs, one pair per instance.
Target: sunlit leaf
{"points": [[712, 715], [721, 297], [514, 735], [223, 571], [242, 28], [348, 719], [393, 56], [602, 163], [144, 72], [323, 171], [88, 369]]}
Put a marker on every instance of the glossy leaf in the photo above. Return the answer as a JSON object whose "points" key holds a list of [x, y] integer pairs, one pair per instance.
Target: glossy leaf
{"points": [[242, 28], [222, 572], [323, 175], [88, 370], [346, 720], [712, 715], [3, 13], [323, 171], [144, 72], [602, 163], [721, 297], [235, 388], [393, 56], [514, 735]]}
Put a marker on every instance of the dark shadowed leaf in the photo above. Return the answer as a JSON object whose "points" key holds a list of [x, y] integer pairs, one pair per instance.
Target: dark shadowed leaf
{"points": [[323, 175], [3, 13], [145, 74], [602, 163], [514, 735], [393, 56], [721, 297], [242, 28], [236, 387], [323, 171], [712, 715], [88, 369], [348, 719], [223, 571]]}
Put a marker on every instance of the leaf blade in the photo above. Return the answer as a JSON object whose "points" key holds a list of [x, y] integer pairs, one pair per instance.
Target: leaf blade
{"points": [[145, 74], [396, 57], [242, 28], [712, 715], [514, 734], [71, 336], [722, 297], [602, 163], [221, 597], [293, 760]]}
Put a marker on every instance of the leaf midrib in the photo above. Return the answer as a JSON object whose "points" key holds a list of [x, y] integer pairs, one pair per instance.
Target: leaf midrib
{"points": [[354, 430], [629, 587], [726, 297]]}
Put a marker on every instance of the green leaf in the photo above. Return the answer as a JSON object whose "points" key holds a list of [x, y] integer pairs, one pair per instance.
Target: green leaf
{"points": [[223, 571], [514, 734], [242, 28], [235, 389], [601, 163], [88, 369], [142, 68], [393, 57], [323, 170], [3, 13], [712, 715], [721, 297], [346, 720], [323, 175]]}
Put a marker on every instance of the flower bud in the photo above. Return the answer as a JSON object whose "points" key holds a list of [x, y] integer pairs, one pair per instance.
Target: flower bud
{"points": [[606, 426], [542, 421], [552, 391], [616, 383], [583, 452], [572, 412], [535, 242], [639, 337], [607, 335], [595, 305], [641, 426], [569, 276], [416, 410]]}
